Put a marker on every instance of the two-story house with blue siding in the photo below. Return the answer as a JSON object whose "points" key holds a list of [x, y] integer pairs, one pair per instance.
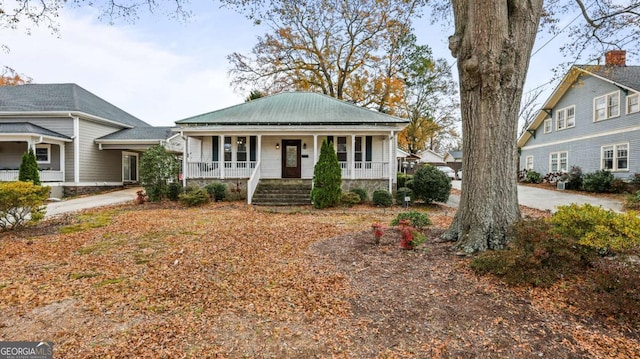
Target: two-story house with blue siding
{"points": [[591, 120]]}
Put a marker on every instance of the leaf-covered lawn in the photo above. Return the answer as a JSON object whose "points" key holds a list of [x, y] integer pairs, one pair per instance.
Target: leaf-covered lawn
{"points": [[227, 280]]}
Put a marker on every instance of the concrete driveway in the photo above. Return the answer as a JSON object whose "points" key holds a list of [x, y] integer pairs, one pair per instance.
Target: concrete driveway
{"points": [[99, 200], [545, 199]]}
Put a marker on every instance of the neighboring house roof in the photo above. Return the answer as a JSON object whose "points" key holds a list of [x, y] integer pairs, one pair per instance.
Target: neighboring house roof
{"points": [[430, 156], [62, 98], [294, 108], [456, 154], [627, 77], [401, 153], [26, 128], [139, 133]]}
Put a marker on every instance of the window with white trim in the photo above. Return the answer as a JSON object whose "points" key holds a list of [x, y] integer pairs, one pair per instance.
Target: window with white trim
{"points": [[633, 103], [558, 161], [606, 106], [547, 125], [565, 118], [615, 157], [43, 153], [528, 164]]}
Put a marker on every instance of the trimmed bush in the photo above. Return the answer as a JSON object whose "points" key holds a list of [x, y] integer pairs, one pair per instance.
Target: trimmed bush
{"points": [[382, 198], [174, 190], [20, 203], [28, 170], [431, 185], [404, 192], [349, 199], [598, 182], [417, 219], [361, 193], [597, 228], [402, 179], [574, 180], [217, 191], [194, 198], [533, 177], [327, 178]]}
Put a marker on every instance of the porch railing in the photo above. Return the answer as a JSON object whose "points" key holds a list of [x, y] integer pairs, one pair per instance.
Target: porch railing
{"points": [[45, 176], [232, 169], [252, 184], [365, 170]]}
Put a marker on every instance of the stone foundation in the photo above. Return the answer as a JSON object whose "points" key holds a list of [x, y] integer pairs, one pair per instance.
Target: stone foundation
{"points": [[369, 185], [73, 191]]}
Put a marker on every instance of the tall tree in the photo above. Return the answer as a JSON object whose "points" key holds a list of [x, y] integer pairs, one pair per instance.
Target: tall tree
{"points": [[492, 44], [9, 77], [346, 49]]}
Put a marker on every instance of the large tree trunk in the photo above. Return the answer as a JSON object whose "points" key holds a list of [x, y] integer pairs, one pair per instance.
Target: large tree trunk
{"points": [[492, 43]]}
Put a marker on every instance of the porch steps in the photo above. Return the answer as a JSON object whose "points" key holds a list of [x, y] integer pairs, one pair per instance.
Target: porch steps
{"points": [[282, 192]]}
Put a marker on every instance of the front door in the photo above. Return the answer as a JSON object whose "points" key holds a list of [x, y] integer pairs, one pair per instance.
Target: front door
{"points": [[291, 167]]}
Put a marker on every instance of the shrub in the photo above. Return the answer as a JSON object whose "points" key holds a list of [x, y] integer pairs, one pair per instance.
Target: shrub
{"points": [[28, 170], [327, 178], [533, 177], [536, 256], [21, 202], [599, 181], [173, 191], [382, 198], [378, 231], [217, 191], [410, 237], [409, 183], [430, 184], [402, 179], [361, 193], [404, 192], [554, 177], [349, 199], [574, 179], [194, 198], [635, 179], [416, 219], [597, 228], [158, 168], [632, 201]]}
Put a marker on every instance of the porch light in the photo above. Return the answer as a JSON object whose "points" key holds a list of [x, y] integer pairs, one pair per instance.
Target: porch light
{"points": [[304, 146], [277, 145]]}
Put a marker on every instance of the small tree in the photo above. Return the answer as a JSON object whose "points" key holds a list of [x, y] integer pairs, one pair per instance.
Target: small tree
{"points": [[327, 178], [21, 202], [158, 168], [29, 168]]}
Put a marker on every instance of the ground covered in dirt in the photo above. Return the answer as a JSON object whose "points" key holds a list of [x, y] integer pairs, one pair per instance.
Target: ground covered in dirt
{"points": [[229, 280]]}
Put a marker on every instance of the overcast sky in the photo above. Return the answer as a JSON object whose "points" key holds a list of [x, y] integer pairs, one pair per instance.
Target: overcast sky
{"points": [[162, 70]]}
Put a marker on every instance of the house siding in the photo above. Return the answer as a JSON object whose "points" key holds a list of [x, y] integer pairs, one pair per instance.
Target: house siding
{"points": [[98, 165], [584, 141]]}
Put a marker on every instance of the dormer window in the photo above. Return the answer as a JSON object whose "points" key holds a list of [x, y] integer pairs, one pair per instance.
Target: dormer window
{"points": [[565, 118], [606, 107]]}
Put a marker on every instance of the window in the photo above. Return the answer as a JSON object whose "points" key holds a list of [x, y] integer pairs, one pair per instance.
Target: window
{"points": [[227, 149], [632, 103], [43, 153], [558, 162], [565, 118], [607, 106], [358, 149], [342, 149], [615, 157], [242, 149], [547, 125], [528, 163]]}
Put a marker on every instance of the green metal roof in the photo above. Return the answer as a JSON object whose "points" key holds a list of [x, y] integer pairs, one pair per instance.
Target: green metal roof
{"points": [[294, 108]]}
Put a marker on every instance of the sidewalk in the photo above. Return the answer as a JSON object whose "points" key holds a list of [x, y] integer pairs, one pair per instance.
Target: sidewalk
{"points": [[545, 199], [99, 200]]}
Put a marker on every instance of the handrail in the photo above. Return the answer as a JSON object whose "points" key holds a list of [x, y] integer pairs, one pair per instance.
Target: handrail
{"points": [[252, 184]]}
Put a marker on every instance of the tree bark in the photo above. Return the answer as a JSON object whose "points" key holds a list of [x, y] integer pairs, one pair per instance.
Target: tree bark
{"points": [[492, 44]]}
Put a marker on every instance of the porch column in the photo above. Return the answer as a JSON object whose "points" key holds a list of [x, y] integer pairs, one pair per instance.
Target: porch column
{"points": [[221, 155], [185, 169], [352, 162], [259, 149], [62, 163], [76, 149], [315, 150], [391, 161]]}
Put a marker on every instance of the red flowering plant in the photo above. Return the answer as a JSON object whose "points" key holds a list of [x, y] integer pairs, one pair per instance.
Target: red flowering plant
{"points": [[411, 238], [378, 231]]}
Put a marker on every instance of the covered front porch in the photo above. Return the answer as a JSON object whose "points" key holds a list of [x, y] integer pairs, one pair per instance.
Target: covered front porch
{"points": [[50, 156]]}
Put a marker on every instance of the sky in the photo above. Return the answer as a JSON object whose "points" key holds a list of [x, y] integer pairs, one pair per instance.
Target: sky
{"points": [[162, 70]]}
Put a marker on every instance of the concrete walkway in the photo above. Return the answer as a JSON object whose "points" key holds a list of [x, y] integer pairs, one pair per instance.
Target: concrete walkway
{"points": [[545, 199], [99, 200]]}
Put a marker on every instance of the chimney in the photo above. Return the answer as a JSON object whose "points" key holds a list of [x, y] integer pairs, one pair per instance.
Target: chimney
{"points": [[616, 58]]}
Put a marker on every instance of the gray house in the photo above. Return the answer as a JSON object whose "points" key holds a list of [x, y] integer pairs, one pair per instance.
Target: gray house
{"points": [[82, 142], [592, 120]]}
